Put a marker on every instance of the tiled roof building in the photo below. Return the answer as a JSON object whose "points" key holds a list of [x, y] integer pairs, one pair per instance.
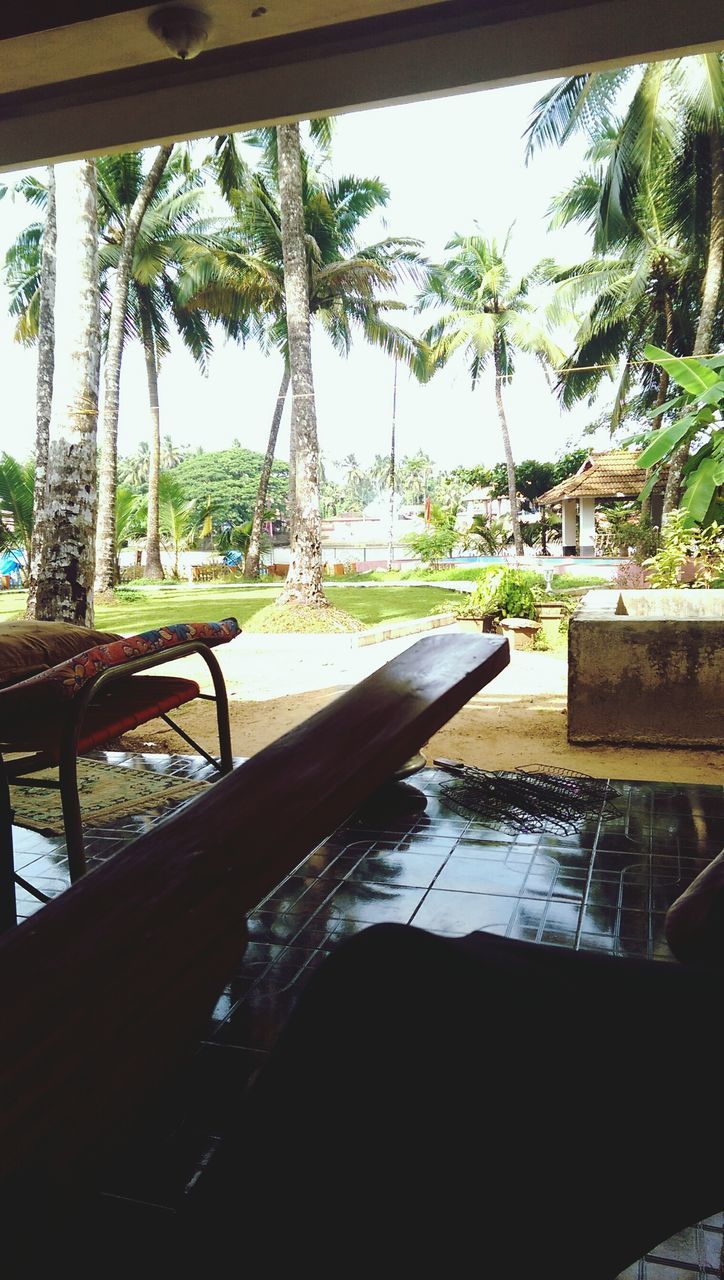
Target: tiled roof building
{"points": [[615, 474]]}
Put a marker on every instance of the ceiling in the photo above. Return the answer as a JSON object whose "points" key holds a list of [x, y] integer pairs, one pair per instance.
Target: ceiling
{"points": [[116, 37], [84, 76]]}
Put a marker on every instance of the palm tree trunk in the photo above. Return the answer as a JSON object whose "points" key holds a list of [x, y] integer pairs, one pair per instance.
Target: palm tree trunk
{"points": [[108, 478], [509, 463], [292, 486], [67, 519], [44, 382], [709, 300], [253, 551], [662, 388], [304, 581], [391, 547], [153, 567], [715, 260]]}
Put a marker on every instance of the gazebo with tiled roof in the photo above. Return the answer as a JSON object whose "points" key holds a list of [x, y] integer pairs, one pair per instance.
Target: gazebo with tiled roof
{"points": [[615, 474]]}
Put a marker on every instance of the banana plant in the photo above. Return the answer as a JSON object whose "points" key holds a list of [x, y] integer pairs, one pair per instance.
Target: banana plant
{"points": [[698, 422]]}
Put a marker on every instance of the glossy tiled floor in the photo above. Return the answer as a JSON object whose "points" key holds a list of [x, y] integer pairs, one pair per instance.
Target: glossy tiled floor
{"points": [[406, 857]]}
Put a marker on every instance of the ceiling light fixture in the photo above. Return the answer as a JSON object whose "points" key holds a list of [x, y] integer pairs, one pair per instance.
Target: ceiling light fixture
{"points": [[183, 31]]}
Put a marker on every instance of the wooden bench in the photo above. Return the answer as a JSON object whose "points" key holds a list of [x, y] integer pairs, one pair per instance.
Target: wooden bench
{"points": [[106, 989]]}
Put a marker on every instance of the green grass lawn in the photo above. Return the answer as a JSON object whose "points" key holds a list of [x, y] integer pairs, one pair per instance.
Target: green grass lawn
{"points": [[141, 608], [389, 604], [462, 574], [12, 605]]}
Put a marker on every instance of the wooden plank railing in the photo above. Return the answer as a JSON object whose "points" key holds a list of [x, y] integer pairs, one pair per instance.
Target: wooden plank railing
{"points": [[104, 989]]}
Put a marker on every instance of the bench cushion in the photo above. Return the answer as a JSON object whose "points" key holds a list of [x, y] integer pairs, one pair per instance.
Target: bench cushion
{"points": [[28, 647]]}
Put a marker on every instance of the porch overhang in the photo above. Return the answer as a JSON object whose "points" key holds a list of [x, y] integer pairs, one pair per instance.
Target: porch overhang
{"points": [[79, 82]]}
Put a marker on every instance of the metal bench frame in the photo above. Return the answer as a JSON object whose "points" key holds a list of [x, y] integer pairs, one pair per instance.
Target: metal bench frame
{"points": [[18, 771]]}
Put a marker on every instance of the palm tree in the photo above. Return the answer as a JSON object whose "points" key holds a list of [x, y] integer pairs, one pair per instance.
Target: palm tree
{"points": [[128, 522], [393, 464], [17, 485], [348, 284], [354, 481], [182, 520], [29, 272], [488, 535], [639, 285], [66, 519], [380, 471], [491, 318], [171, 454], [252, 554], [133, 471], [416, 474], [142, 191], [44, 375], [672, 121], [172, 235], [154, 567], [304, 580]]}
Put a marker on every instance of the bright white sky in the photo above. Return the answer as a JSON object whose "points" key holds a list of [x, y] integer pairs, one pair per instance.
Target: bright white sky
{"points": [[452, 165]]}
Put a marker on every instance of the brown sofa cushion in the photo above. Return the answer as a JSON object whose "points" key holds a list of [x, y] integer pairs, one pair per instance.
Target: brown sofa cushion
{"points": [[27, 648]]}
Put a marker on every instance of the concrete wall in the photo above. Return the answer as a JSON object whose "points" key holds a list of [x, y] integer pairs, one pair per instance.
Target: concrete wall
{"points": [[652, 678], [671, 604]]}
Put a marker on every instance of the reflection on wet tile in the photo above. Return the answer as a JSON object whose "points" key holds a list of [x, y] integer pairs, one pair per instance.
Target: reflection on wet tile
{"points": [[374, 903], [406, 857], [476, 875], [681, 1247], [662, 1271], [268, 926], [487, 851], [713, 1242], [458, 913], [614, 922], [414, 870]]}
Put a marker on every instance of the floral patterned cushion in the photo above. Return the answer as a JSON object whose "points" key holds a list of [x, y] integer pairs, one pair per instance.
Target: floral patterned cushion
{"points": [[75, 673], [38, 695]]}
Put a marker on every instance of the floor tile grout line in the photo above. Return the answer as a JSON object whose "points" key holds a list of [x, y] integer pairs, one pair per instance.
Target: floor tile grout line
{"points": [[589, 877]]}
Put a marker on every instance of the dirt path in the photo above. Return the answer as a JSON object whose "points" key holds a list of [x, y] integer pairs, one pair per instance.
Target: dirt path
{"points": [[519, 720]]}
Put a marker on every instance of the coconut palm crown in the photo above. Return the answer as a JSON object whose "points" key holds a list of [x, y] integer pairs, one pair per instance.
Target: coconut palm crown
{"points": [[644, 283], [492, 319], [350, 285]]}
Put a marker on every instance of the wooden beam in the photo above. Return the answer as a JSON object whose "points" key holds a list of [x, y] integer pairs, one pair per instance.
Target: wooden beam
{"points": [[401, 58], [104, 989]]}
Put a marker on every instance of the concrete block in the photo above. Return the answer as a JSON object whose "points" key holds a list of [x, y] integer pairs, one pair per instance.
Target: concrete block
{"points": [[653, 674]]}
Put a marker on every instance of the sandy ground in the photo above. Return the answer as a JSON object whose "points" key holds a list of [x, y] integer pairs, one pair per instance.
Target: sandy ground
{"points": [[519, 720]]}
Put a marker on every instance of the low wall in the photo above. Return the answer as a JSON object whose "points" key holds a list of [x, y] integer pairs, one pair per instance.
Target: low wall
{"points": [[647, 666]]}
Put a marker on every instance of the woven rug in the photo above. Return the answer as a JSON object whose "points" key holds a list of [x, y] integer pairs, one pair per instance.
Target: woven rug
{"points": [[107, 792]]}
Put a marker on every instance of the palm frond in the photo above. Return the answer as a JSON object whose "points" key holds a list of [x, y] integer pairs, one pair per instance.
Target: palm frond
{"points": [[231, 169], [34, 190], [17, 483]]}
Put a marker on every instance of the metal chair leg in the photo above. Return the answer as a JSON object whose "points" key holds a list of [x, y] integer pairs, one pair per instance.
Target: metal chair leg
{"points": [[72, 820], [8, 904], [224, 731], [226, 759]]}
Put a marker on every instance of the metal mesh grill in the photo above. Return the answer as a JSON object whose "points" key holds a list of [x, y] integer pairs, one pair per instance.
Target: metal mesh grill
{"points": [[533, 800]]}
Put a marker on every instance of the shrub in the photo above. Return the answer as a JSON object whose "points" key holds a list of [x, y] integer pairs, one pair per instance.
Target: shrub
{"points": [[505, 593], [683, 541], [625, 530], [432, 546]]}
